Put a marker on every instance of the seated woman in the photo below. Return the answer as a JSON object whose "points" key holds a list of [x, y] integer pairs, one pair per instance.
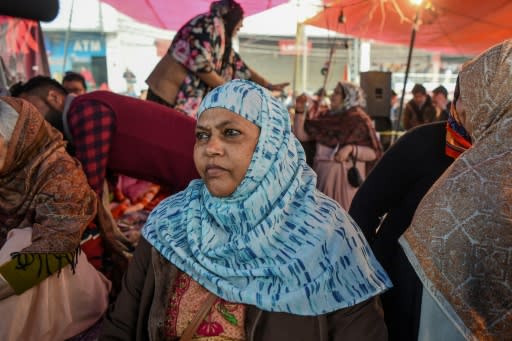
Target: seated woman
{"points": [[344, 137], [252, 250], [48, 290]]}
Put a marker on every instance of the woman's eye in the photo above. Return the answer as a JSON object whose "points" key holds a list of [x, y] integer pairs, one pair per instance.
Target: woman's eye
{"points": [[201, 135], [231, 132]]}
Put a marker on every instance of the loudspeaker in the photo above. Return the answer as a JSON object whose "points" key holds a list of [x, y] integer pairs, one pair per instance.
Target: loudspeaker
{"points": [[43, 10], [377, 86]]}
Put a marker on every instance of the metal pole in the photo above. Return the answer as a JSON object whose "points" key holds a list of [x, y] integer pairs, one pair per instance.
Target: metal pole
{"points": [[304, 49], [296, 69], [411, 47], [66, 39]]}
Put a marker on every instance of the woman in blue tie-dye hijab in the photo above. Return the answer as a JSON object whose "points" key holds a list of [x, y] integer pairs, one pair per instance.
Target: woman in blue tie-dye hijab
{"points": [[255, 232]]}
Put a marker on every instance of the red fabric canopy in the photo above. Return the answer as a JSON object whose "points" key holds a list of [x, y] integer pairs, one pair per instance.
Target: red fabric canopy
{"points": [[449, 26], [172, 14]]}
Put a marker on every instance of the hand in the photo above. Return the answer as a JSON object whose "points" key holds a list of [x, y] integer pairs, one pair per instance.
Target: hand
{"points": [[278, 86], [344, 153], [300, 103]]}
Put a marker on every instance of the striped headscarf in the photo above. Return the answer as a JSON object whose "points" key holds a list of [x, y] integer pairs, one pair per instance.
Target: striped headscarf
{"points": [[276, 242], [353, 95]]}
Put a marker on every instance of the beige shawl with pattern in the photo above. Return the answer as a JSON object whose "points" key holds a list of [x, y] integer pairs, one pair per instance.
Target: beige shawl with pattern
{"points": [[460, 240]]}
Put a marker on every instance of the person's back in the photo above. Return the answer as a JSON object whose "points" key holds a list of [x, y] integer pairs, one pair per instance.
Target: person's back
{"points": [[148, 141], [393, 189], [462, 229]]}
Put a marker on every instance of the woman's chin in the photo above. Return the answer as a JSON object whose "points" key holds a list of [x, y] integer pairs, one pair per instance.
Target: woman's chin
{"points": [[220, 190]]}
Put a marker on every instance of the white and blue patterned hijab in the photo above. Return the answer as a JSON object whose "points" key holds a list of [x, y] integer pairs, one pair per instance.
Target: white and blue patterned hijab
{"points": [[276, 242]]}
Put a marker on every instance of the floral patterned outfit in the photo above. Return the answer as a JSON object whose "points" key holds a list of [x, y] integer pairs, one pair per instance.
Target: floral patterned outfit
{"points": [[200, 46]]}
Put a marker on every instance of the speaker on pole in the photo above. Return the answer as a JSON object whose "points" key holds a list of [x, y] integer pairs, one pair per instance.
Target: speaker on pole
{"points": [[43, 10], [377, 87]]}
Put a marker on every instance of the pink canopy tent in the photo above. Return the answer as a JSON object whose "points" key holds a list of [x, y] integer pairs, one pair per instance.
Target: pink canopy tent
{"points": [[172, 15]]}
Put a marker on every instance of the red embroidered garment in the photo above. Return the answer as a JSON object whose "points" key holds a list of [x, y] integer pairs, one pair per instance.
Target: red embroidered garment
{"points": [[225, 321]]}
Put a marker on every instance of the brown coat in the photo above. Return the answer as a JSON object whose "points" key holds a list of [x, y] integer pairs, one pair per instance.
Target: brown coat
{"points": [[140, 311]]}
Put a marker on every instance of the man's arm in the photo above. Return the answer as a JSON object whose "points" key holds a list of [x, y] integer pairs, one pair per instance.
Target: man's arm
{"points": [[92, 125]]}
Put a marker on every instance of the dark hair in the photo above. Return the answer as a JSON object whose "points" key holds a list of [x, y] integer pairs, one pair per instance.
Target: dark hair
{"points": [[393, 93], [440, 90], [231, 13], [456, 91], [234, 15], [38, 85], [72, 76], [418, 88], [342, 89]]}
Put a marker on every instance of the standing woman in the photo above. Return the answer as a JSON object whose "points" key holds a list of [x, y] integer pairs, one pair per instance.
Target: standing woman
{"points": [[200, 58], [252, 244], [344, 136]]}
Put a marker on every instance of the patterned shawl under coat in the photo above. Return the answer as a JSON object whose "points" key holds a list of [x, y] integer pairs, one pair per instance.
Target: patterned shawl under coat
{"points": [[460, 240], [350, 125], [41, 186]]}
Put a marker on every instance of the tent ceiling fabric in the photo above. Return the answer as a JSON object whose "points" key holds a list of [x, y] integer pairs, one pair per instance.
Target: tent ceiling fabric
{"points": [[171, 15], [449, 26]]}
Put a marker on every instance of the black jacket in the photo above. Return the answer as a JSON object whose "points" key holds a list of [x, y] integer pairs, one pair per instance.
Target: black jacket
{"points": [[394, 188]]}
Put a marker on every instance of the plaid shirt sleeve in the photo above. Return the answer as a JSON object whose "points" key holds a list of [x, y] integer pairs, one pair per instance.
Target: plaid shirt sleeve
{"points": [[92, 125]]}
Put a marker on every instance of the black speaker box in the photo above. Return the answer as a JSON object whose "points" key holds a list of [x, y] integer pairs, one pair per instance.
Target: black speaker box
{"points": [[377, 86]]}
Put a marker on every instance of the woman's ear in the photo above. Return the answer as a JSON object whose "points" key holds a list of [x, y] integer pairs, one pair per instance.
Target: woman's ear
{"points": [[56, 99]]}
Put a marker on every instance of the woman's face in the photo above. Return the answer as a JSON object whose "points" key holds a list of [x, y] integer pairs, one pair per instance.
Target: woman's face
{"points": [[337, 99], [223, 151]]}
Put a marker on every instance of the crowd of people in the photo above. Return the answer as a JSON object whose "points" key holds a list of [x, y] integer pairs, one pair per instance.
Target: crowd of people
{"points": [[212, 211]]}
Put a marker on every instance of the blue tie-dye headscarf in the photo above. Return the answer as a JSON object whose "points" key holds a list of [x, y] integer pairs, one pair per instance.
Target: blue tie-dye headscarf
{"points": [[276, 242]]}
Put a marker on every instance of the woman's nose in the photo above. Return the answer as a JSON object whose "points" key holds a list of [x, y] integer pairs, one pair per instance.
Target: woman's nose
{"points": [[214, 146]]}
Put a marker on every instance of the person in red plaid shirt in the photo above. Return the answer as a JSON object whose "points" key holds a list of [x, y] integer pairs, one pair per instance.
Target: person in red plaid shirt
{"points": [[125, 135]]}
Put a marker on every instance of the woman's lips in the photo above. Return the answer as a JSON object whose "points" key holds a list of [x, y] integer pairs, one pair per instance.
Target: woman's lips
{"points": [[214, 171]]}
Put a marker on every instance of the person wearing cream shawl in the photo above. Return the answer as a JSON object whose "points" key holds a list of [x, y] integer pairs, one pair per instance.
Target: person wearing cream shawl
{"points": [[460, 239], [48, 290]]}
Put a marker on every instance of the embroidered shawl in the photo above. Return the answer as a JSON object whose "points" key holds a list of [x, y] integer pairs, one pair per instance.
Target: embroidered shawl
{"points": [[41, 186], [460, 240]]}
